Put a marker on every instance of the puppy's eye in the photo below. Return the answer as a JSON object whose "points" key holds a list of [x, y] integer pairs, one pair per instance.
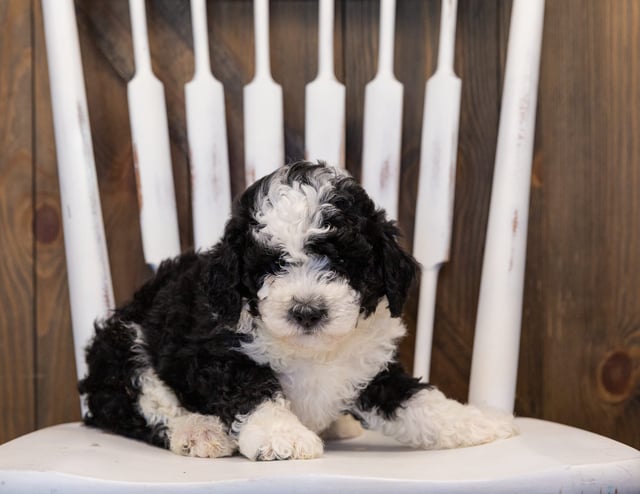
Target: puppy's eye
{"points": [[339, 263], [277, 264]]}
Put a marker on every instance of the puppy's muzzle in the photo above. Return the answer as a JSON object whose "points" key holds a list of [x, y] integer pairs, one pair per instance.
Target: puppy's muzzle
{"points": [[309, 315]]}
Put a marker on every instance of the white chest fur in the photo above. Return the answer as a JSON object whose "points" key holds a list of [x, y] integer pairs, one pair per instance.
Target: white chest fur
{"points": [[321, 384]]}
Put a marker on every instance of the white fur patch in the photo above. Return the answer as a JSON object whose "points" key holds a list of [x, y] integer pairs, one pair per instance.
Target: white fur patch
{"points": [[157, 402], [308, 282], [272, 432], [290, 213], [320, 382], [190, 434], [203, 436], [429, 420]]}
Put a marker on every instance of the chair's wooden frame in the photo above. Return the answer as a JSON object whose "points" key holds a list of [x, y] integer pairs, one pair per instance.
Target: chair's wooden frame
{"points": [[545, 457]]}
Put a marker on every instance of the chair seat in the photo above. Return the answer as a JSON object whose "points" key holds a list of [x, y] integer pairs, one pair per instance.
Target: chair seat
{"points": [[545, 457]]}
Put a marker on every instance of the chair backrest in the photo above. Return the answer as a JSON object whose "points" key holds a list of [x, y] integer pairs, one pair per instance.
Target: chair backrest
{"points": [[90, 287], [494, 365]]}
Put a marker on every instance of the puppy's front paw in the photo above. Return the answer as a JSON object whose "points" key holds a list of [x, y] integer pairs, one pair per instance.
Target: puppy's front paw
{"points": [[203, 436], [297, 443], [272, 432]]}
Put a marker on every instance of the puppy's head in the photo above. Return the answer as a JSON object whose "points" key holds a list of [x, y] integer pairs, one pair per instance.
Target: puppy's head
{"points": [[314, 254]]}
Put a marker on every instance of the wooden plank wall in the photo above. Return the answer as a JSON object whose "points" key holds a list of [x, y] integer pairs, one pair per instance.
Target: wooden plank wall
{"points": [[580, 352], [17, 335]]}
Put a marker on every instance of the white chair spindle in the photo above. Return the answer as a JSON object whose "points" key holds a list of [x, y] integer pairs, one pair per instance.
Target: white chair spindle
{"points": [[89, 276], [263, 111], [382, 130], [151, 150], [497, 337], [325, 99], [207, 135], [436, 186]]}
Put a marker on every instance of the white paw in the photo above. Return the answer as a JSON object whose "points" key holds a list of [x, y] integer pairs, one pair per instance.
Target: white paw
{"points": [[429, 420], [344, 427], [291, 444], [273, 432], [477, 426], [198, 435]]}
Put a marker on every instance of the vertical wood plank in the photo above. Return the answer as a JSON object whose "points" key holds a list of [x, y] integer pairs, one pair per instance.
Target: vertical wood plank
{"points": [[57, 399], [360, 56], [476, 63], [17, 393], [105, 80], [294, 23], [231, 46], [588, 188]]}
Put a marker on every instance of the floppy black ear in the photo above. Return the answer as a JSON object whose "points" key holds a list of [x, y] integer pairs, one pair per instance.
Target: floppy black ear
{"points": [[399, 268], [224, 274]]}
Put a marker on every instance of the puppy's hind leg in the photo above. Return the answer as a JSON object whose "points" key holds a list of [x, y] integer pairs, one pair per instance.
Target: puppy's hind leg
{"points": [[430, 420], [188, 434], [419, 415], [344, 427]]}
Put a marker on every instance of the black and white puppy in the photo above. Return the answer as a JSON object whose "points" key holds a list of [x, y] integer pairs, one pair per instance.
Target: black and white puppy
{"points": [[260, 343]]}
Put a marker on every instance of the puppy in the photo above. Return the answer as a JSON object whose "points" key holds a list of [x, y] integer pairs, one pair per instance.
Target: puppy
{"points": [[260, 343]]}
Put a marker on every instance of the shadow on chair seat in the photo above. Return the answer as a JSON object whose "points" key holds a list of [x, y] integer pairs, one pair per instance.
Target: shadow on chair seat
{"points": [[546, 457]]}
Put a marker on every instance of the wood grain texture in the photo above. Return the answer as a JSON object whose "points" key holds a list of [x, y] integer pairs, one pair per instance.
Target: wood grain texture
{"points": [[55, 367], [587, 193], [580, 347], [293, 68], [360, 38], [17, 390]]}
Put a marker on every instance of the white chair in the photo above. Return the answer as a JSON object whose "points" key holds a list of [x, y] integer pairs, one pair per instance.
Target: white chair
{"points": [[72, 458]]}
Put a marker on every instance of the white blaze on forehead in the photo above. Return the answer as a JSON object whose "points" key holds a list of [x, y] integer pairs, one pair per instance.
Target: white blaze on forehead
{"points": [[289, 214]]}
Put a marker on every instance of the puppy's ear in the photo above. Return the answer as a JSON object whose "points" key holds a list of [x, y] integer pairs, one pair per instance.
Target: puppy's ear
{"points": [[399, 268], [224, 275]]}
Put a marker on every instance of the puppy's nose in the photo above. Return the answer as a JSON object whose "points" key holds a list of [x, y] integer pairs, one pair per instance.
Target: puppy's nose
{"points": [[307, 315]]}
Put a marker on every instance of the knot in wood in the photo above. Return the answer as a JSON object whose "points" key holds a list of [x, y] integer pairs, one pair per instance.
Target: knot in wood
{"points": [[47, 224], [615, 376]]}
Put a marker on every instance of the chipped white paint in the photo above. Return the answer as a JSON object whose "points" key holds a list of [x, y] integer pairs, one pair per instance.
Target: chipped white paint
{"points": [[497, 337], [90, 289], [436, 189], [382, 131], [263, 114], [151, 149], [325, 99], [545, 457], [207, 133]]}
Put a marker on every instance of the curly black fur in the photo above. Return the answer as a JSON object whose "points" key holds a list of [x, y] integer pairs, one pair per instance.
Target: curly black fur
{"points": [[389, 390], [188, 314]]}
